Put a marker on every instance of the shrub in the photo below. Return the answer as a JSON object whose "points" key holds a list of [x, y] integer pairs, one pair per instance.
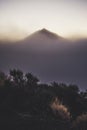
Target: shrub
{"points": [[80, 123], [59, 110]]}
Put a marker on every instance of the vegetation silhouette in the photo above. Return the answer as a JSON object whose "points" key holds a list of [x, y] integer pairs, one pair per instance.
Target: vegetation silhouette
{"points": [[27, 103]]}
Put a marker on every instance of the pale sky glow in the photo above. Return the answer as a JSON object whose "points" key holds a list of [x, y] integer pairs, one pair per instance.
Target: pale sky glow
{"points": [[19, 18]]}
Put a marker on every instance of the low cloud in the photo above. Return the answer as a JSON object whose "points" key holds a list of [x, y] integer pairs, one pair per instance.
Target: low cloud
{"points": [[51, 60]]}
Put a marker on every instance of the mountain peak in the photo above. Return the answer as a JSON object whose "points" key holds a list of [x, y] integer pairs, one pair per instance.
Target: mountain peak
{"points": [[44, 30], [48, 33]]}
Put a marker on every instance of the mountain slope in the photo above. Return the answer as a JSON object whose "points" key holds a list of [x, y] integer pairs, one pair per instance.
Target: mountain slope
{"points": [[43, 40], [44, 33]]}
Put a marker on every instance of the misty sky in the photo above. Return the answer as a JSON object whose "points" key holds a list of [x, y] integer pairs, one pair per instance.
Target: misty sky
{"points": [[19, 18]]}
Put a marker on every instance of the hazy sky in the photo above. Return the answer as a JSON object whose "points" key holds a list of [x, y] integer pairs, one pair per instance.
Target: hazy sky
{"points": [[19, 18]]}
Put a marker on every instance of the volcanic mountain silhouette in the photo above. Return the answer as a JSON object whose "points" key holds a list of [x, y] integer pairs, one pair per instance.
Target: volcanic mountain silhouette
{"points": [[44, 40], [46, 33]]}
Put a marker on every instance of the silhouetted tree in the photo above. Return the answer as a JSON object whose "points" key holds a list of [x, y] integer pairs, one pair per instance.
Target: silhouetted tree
{"points": [[31, 80], [2, 79], [17, 77]]}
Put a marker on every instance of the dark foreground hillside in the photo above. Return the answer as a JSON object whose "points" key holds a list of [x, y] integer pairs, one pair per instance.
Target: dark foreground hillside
{"points": [[32, 124], [26, 104]]}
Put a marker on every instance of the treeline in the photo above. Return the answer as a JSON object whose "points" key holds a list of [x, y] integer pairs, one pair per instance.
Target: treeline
{"points": [[24, 98]]}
